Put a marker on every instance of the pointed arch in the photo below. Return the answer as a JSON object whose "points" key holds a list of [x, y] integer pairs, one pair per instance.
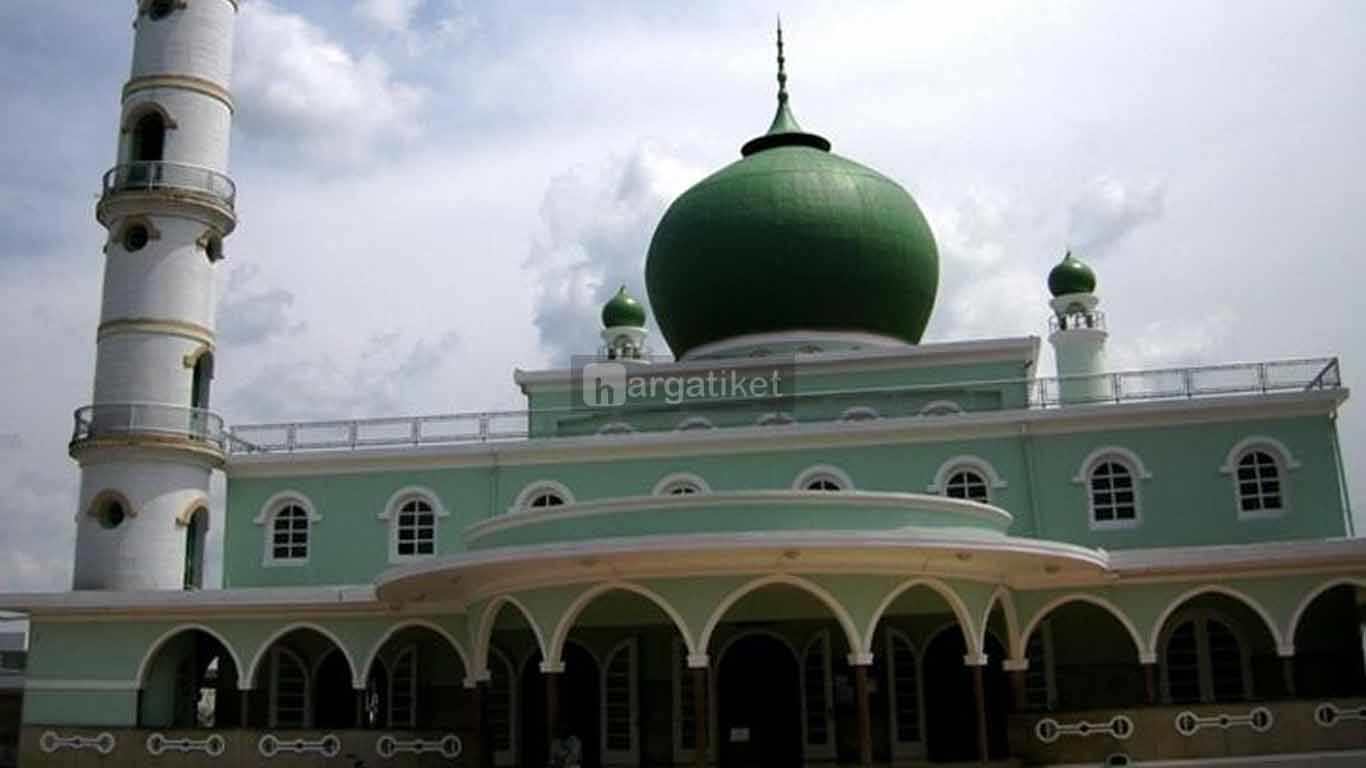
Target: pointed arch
{"points": [[842, 615], [956, 604], [378, 646], [485, 637], [1015, 643], [1081, 597], [1293, 627], [172, 633], [1282, 648], [247, 681], [571, 614]]}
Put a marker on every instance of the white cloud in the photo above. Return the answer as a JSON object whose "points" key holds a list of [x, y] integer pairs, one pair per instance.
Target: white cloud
{"points": [[394, 15], [297, 85], [596, 225], [1107, 210]]}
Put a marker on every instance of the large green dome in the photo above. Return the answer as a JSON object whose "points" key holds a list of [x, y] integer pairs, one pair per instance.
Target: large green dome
{"points": [[791, 238]]}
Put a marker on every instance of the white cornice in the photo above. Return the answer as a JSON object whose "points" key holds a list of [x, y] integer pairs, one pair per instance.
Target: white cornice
{"points": [[795, 437], [1262, 556], [1023, 349]]}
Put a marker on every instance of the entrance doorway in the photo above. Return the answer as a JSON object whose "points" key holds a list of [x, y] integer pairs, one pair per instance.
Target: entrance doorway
{"points": [[951, 700], [759, 712], [579, 703]]}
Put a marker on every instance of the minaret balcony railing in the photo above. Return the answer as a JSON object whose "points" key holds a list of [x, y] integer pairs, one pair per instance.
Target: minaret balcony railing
{"points": [[148, 422], [162, 176]]}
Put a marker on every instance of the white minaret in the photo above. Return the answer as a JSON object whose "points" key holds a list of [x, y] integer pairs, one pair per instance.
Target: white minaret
{"points": [[623, 328], [1078, 333], [148, 442]]}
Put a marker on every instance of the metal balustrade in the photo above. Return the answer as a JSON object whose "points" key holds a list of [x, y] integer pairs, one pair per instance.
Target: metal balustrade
{"points": [[804, 408], [130, 420], [150, 176]]}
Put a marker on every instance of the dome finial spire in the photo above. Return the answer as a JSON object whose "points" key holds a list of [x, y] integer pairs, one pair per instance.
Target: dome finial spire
{"points": [[782, 68]]}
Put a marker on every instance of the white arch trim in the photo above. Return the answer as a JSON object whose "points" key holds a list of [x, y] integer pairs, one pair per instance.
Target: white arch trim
{"points": [[186, 512], [965, 461], [775, 419], [941, 408], [536, 488], [813, 472], [1282, 648], [1144, 657], [561, 634], [846, 621], [1014, 643], [694, 422], [373, 656], [167, 636], [485, 638], [412, 492], [1278, 449], [956, 604], [616, 428], [1111, 451], [1294, 626], [676, 478], [860, 413], [274, 503], [247, 682]]}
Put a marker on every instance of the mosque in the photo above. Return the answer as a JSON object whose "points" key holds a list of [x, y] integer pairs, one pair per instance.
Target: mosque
{"points": [[804, 538]]}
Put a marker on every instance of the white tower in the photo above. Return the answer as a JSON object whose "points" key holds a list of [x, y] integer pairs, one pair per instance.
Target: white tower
{"points": [[148, 443], [623, 328], [1078, 333]]}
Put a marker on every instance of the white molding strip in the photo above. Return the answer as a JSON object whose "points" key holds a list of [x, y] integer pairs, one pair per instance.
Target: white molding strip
{"points": [[448, 746], [271, 745], [213, 745], [1259, 719], [51, 741], [81, 685], [1049, 730]]}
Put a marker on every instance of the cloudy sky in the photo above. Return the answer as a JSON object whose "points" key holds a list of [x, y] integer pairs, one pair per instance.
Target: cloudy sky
{"points": [[433, 192]]}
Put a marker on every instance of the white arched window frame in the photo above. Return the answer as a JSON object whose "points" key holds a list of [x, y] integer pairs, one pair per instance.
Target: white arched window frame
{"points": [[860, 413], [694, 423], [775, 419], [1207, 657], [1257, 483], [1106, 491], [991, 479], [616, 428], [680, 484], [905, 694], [288, 539], [291, 694], [413, 515], [823, 477], [941, 408], [540, 495]]}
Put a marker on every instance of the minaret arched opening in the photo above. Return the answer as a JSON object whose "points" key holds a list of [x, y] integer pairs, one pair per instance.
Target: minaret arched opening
{"points": [[196, 531], [201, 380], [149, 138]]}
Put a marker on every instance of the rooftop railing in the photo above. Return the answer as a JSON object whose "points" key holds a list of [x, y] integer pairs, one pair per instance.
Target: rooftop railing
{"points": [[150, 176], [132, 420], [927, 401]]}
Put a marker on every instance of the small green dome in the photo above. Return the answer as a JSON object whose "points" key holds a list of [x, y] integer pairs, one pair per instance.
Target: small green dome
{"points": [[623, 311], [1071, 275], [791, 238]]}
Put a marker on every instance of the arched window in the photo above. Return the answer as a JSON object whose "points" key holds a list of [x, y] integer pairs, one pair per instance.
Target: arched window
{"points": [[859, 413], [941, 408], [775, 419], [415, 529], [693, 423], [289, 535], [681, 484], [542, 495], [196, 530], [289, 699], [616, 428], [160, 9], [1203, 660], [967, 484], [149, 139], [200, 380], [1114, 499], [823, 478], [1259, 483]]}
